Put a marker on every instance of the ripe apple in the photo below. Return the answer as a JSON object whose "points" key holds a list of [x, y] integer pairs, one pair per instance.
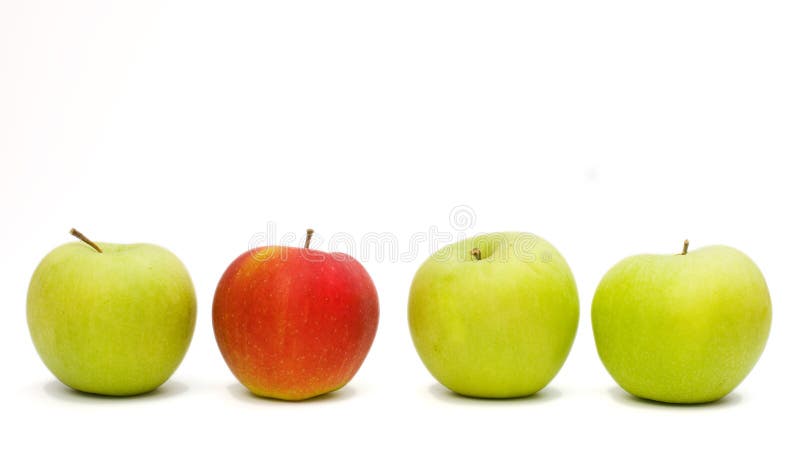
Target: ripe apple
{"points": [[111, 319], [683, 328], [294, 323], [495, 315]]}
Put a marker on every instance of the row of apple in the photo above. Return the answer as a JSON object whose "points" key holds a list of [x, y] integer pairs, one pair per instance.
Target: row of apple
{"points": [[492, 316]]}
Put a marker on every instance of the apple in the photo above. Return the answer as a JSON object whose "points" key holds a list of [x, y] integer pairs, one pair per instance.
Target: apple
{"points": [[111, 319], [294, 323], [494, 316], [683, 328]]}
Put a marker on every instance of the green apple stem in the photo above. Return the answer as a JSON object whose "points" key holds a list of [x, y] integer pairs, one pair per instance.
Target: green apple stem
{"points": [[85, 240], [309, 233], [476, 253], [685, 246]]}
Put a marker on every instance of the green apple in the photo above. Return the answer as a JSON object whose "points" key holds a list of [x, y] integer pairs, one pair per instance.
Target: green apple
{"points": [[495, 315], [683, 328], [111, 319]]}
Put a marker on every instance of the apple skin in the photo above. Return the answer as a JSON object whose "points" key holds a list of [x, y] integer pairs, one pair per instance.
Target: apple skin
{"points": [[114, 323], [682, 328], [497, 327], [294, 323]]}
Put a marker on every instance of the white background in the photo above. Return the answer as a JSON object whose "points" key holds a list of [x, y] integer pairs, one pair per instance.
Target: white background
{"points": [[608, 127]]}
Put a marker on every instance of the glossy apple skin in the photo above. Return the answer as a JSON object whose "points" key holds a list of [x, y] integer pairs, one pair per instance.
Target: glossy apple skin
{"points": [[294, 323], [682, 328], [497, 327], [113, 323]]}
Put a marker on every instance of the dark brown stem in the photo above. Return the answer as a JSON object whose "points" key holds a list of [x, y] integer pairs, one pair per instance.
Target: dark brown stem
{"points": [[685, 247], [85, 240], [476, 253], [309, 233]]}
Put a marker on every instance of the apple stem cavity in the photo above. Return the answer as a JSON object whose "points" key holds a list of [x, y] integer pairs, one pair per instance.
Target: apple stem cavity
{"points": [[476, 253], [309, 233], [85, 240], [685, 247]]}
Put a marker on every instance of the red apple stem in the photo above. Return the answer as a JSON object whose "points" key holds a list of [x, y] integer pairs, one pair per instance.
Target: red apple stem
{"points": [[309, 233], [685, 246], [85, 240], [476, 253]]}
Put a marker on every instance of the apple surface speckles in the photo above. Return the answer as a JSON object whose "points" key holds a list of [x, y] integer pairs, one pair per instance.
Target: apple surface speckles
{"points": [[684, 328], [495, 315], [294, 323], [117, 321]]}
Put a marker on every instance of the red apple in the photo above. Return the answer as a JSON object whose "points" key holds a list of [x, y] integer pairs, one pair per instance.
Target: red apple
{"points": [[294, 323]]}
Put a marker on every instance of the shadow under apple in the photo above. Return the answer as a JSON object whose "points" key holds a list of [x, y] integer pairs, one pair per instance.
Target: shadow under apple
{"points": [[620, 396], [443, 394], [241, 393], [58, 390]]}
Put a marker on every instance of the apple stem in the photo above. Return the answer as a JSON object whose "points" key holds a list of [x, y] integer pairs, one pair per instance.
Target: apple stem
{"points": [[309, 233], [85, 240], [476, 253], [685, 246]]}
